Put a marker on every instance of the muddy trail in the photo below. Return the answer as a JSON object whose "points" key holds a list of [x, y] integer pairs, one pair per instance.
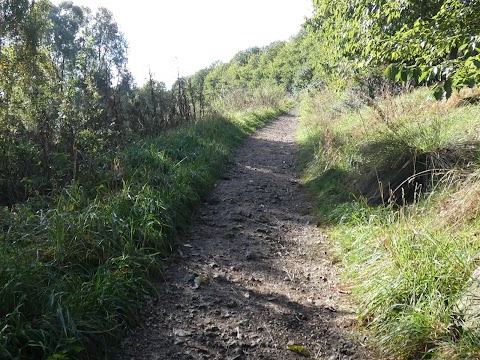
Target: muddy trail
{"points": [[255, 275]]}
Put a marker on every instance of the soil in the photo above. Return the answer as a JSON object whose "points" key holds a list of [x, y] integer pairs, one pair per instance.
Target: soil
{"points": [[254, 278]]}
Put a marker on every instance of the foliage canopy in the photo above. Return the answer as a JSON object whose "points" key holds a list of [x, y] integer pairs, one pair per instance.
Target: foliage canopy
{"points": [[420, 42]]}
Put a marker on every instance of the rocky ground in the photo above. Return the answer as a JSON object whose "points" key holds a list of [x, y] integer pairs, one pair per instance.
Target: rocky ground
{"points": [[254, 279]]}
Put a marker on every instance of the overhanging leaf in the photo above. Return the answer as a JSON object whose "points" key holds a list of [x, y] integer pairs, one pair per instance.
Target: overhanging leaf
{"points": [[391, 71], [448, 88], [423, 76], [439, 92]]}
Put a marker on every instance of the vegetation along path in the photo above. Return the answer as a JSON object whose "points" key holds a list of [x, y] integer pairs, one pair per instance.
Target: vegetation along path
{"points": [[254, 279]]}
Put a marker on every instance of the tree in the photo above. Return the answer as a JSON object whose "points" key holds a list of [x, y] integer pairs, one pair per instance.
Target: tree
{"points": [[428, 41], [13, 20], [441, 50], [68, 21]]}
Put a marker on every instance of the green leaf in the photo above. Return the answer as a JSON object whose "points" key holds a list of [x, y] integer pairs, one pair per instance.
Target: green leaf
{"points": [[448, 88], [405, 75], [423, 76], [78, 348], [463, 47], [417, 73], [57, 357], [299, 349], [391, 71], [439, 92], [471, 82]]}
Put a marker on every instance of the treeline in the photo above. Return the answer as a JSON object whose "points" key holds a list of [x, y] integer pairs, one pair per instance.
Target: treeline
{"points": [[67, 98], [68, 101], [362, 45], [356, 43], [259, 75], [66, 95]]}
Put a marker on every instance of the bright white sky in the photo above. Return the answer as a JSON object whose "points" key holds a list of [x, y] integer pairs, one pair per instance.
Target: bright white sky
{"points": [[168, 36]]}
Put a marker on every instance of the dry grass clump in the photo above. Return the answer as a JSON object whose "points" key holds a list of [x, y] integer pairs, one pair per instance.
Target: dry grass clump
{"points": [[463, 205], [463, 98]]}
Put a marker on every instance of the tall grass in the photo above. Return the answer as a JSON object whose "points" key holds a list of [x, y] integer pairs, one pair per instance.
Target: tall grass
{"points": [[75, 267], [396, 184], [236, 98]]}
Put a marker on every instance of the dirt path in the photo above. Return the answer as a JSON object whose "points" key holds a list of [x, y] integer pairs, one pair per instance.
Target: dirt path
{"points": [[254, 275]]}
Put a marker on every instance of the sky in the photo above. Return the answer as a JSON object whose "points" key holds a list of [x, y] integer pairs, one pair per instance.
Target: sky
{"points": [[173, 37]]}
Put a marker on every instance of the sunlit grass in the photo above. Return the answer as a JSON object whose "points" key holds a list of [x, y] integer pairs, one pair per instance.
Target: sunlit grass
{"points": [[75, 268], [407, 258]]}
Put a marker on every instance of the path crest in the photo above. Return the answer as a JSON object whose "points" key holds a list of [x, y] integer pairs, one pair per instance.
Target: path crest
{"points": [[254, 275]]}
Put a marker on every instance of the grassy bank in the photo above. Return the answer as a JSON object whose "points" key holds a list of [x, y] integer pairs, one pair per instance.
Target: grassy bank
{"points": [[77, 266], [397, 185]]}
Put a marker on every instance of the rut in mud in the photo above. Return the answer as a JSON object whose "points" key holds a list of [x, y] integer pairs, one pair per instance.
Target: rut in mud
{"points": [[254, 276]]}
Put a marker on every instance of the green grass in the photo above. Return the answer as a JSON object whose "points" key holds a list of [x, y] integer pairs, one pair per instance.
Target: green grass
{"points": [[408, 260], [76, 267]]}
